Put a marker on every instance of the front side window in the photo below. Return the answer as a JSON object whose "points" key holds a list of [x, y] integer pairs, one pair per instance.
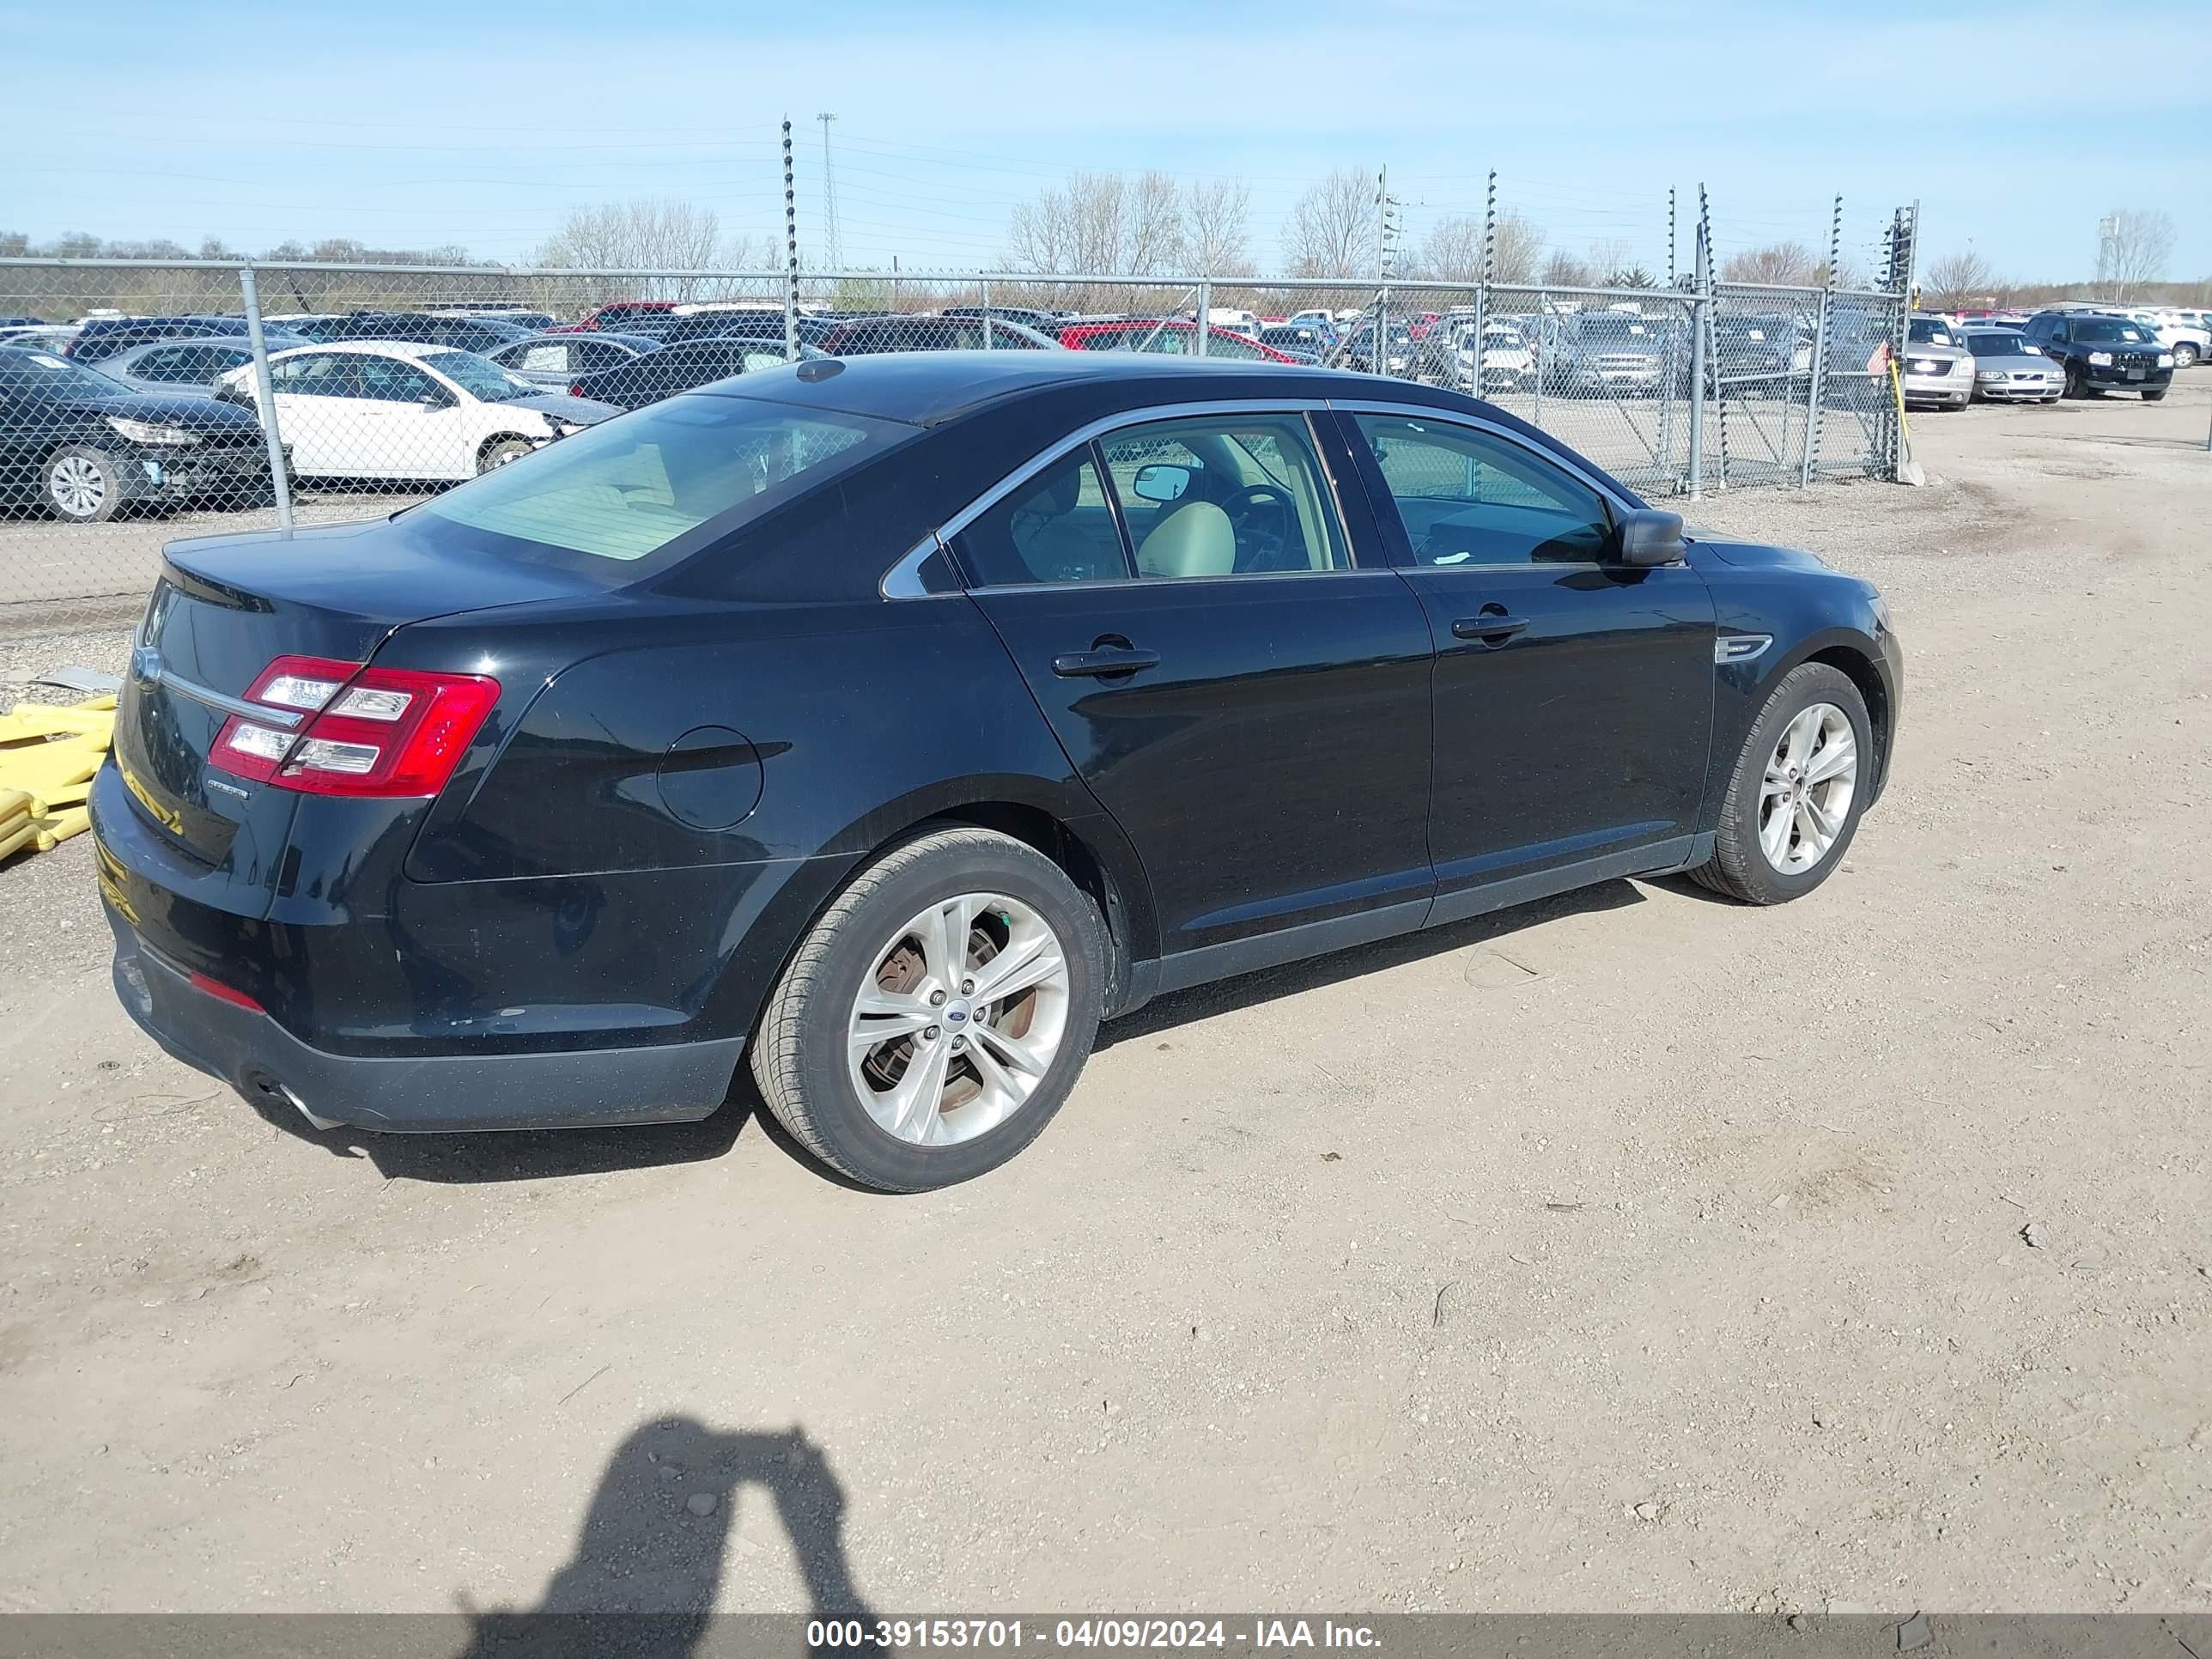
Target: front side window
{"points": [[1468, 498], [1056, 526], [479, 376], [388, 380], [1224, 496], [622, 492], [318, 375]]}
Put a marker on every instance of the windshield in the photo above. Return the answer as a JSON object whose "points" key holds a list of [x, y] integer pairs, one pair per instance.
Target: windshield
{"points": [[2001, 344], [1927, 331], [479, 377], [629, 489], [39, 373], [2111, 331]]}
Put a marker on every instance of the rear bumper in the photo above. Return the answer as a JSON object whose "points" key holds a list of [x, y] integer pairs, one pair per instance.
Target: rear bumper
{"points": [[668, 1083]]}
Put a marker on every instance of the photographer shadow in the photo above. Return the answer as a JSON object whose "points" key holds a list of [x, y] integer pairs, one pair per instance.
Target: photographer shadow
{"points": [[649, 1557]]}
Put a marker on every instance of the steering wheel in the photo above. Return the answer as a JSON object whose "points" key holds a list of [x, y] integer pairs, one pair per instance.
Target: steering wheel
{"points": [[1264, 517]]}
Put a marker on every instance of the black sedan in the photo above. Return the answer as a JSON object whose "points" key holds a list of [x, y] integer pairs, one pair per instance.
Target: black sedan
{"points": [[877, 728], [83, 447]]}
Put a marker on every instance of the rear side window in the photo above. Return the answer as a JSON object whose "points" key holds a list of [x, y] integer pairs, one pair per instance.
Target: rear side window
{"points": [[623, 493]]}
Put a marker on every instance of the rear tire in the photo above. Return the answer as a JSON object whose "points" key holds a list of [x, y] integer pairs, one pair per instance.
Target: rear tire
{"points": [[1002, 1066], [1756, 859], [2185, 355]]}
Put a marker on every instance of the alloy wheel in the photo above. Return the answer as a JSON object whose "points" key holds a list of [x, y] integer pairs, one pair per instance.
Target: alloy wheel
{"points": [[1804, 797], [958, 1019], [78, 486]]}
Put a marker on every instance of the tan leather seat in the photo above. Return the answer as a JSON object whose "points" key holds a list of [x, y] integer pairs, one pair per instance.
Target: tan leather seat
{"points": [[1194, 539]]}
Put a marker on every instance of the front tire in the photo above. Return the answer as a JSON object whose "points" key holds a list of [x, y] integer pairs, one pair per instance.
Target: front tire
{"points": [[1794, 800], [81, 485], [938, 1015], [2185, 355], [2157, 394], [499, 453]]}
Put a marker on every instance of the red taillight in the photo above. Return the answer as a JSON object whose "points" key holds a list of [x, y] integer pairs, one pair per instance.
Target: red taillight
{"points": [[392, 732], [577, 390], [222, 993]]}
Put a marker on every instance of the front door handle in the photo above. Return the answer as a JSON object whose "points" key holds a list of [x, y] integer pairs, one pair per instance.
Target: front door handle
{"points": [[1104, 661], [1493, 627]]}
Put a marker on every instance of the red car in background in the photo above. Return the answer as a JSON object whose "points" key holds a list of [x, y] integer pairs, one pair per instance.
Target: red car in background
{"points": [[619, 316], [1172, 337]]}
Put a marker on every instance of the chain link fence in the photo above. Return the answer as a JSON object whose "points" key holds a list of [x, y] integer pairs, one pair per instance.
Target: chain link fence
{"points": [[142, 401]]}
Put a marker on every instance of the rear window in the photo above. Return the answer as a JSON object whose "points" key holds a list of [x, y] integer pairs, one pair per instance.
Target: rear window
{"points": [[615, 501]]}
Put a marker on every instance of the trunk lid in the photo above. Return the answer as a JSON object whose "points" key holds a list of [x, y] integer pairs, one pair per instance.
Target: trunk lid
{"points": [[224, 609]]}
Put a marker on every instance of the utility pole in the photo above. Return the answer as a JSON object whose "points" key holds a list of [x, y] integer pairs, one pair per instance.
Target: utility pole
{"points": [[832, 254], [790, 253]]}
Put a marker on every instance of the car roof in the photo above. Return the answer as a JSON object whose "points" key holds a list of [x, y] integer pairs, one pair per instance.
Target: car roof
{"points": [[375, 348], [929, 388]]}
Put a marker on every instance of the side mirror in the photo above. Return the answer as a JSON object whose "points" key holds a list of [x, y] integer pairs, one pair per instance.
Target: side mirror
{"points": [[1159, 483], [1645, 537]]}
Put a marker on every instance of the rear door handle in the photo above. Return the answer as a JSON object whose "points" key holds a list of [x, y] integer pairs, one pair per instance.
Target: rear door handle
{"points": [[1496, 628], [1101, 663]]}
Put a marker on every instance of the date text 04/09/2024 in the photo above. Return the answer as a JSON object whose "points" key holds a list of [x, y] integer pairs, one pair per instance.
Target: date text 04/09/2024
{"points": [[898, 1635]]}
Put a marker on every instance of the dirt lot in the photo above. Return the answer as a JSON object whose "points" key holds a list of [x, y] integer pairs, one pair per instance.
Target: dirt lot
{"points": [[1636, 1251]]}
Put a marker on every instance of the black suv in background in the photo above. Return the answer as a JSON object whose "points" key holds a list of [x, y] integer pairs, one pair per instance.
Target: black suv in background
{"points": [[2103, 353]]}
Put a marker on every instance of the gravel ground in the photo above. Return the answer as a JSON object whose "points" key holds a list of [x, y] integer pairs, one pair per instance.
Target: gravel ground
{"points": [[1631, 1251]]}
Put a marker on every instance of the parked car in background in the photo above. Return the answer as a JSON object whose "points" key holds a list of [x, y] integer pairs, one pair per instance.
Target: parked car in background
{"points": [[1597, 353], [1754, 356], [366, 410], [1449, 356], [41, 336], [1356, 348], [746, 325], [1938, 370], [914, 333], [520, 317], [2103, 353], [2184, 337], [1169, 337], [189, 365], [103, 337], [558, 360], [475, 334], [670, 369], [2009, 370], [1045, 322], [1299, 340], [1203, 655], [627, 317], [84, 446], [1236, 321]]}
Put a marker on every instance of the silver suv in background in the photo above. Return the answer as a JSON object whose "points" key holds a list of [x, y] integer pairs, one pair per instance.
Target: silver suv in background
{"points": [[1939, 370]]}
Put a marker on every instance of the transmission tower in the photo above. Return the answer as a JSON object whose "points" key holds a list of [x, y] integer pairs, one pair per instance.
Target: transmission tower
{"points": [[832, 254]]}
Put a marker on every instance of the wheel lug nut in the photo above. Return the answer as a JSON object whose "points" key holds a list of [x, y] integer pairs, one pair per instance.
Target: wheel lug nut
{"points": [[937, 998], [966, 987], [958, 1043], [930, 1035]]}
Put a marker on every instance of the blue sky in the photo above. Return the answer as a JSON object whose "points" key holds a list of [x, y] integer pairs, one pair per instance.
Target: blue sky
{"points": [[408, 124]]}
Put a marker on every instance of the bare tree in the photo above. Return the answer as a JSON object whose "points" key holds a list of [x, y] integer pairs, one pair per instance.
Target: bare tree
{"points": [[1957, 279], [2136, 252], [1099, 221], [1514, 249], [1216, 226], [1788, 265], [1332, 228], [1609, 256], [1563, 269], [1451, 251], [650, 234]]}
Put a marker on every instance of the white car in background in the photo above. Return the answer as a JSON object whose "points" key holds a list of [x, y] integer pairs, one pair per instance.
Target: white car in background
{"points": [[385, 409], [2189, 343]]}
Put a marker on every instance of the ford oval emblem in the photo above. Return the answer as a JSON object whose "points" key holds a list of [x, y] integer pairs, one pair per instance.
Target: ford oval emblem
{"points": [[146, 663]]}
